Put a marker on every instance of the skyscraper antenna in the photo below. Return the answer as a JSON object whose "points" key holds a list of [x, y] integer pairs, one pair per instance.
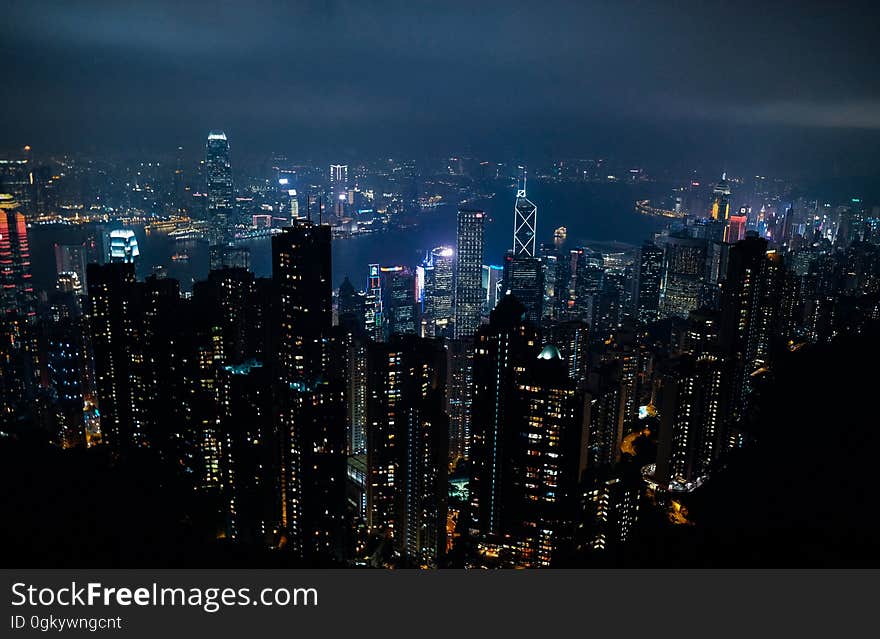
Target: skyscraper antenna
{"points": [[525, 222]]}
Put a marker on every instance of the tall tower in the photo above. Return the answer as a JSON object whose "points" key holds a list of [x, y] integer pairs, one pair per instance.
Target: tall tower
{"points": [[690, 405], [17, 291], [749, 311], [525, 223], [111, 300], [503, 350], [524, 279], [301, 270], [720, 205], [408, 446], [399, 305], [338, 176], [219, 186], [684, 268], [439, 291], [650, 279], [19, 364], [312, 422], [468, 285], [547, 454]]}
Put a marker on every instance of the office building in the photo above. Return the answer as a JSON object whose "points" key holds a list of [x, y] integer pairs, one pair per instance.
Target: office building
{"points": [[220, 199], [468, 285], [650, 280]]}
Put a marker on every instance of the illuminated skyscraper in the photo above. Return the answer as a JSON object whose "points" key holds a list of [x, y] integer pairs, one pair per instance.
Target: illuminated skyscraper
{"points": [[525, 223], [439, 291], [736, 226], [219, 187], [690, 397], [606, 413], [503, 350], [468, 285], [313, 421], [16, 289], [493, 276], [123, 246], [572, 339], [338, 175], [399, 304], [524, 279], [684, 270], [111, 302], [720, 204], [408, 447], [71, 259], [63, 334], [460, 390], [750, 303], [650, 279], [19, 364], [301, 270], [374, 318], [589, 277], [547, 459]]}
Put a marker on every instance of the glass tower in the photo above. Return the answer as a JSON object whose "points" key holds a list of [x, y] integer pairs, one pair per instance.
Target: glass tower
{"points": [[219, 187], [468, 285]]}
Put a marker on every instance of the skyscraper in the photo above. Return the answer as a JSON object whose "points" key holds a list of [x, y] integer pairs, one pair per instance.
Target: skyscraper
{"points": [[720, 204], [311, 386], [751, 297], [650, 279], [503, 350], [111, 301], [70, 259], [468, 288], [16, 289], [525, 223], [439, 289], [571, 337], [493, 276], [220, 202], [684, 270], [123, 246], [524, 279], [408, 447], [302, 272], [338, 175], [351, 308], [19, 364], [548, 458], [460, 389], [399, 305], [374, 317], [736, 226], [690, 406]]}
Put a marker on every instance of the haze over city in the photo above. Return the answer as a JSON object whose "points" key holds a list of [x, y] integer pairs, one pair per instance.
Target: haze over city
{"points": [[783, 87]]}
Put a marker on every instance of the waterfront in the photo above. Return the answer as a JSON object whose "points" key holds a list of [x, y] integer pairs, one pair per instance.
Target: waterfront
{"points": [[594, 214]]}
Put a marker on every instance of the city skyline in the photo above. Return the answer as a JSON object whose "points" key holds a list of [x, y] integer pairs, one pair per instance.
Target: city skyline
{"points": [[254, 312]]}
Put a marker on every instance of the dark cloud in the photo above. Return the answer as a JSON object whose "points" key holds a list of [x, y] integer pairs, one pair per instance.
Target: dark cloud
{"points": [[646, 79]]}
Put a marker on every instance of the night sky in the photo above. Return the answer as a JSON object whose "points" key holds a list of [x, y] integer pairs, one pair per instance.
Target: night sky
{"points": [[788, 86]]}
